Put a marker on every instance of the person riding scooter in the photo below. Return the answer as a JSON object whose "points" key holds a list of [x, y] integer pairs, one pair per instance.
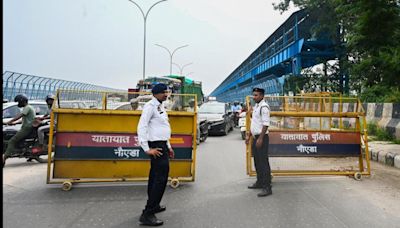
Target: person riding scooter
{"points": [[236, 109], [242, 121], [27, 115], [45, 128]]}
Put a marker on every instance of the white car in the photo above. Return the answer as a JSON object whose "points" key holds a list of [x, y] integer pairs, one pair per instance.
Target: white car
{"points": [[119, 106], [73, 104], [219, 115], [11, 109], [142, 100]]}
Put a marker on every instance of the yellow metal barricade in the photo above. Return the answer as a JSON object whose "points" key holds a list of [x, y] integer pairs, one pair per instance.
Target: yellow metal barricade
{"points": [[96, 138], [311, 135]]}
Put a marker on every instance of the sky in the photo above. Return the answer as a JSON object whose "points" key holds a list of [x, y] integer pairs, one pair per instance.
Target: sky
{"points": [[101, 41]]}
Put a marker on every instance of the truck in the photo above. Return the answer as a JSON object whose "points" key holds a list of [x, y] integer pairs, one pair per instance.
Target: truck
{"points": [[177, 84]]}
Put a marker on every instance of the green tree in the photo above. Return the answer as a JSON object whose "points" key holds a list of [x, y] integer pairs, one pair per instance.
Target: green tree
{"points": [[372, 38], [327, 26], [367, 37]]}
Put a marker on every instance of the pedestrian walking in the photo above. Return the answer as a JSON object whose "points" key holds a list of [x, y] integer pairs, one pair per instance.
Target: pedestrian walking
{"points": [[259, 131], [154, 133]]}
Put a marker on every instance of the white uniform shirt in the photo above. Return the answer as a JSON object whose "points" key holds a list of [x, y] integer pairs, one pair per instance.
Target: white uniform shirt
{"points": [[260, 118], [153, 124]]}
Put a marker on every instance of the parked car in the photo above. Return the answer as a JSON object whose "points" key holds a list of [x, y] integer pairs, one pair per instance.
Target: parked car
{"points": [[78, 104], [219, 116], [140, 100], [120, 106], [11, 109]]}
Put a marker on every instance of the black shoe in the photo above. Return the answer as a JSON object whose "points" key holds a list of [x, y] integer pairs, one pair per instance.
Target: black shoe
{"points": [[160, 208], [150, 220], [265, 192], [254, 186]]}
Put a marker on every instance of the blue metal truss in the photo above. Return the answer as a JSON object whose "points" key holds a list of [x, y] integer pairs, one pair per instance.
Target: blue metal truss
{"points": [[287, 51]]}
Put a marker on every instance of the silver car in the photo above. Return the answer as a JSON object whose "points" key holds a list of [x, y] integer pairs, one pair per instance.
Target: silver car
{"points": [[11, 109]]}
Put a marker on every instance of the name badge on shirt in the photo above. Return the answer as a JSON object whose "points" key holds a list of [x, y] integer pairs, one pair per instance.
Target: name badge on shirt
{"points": [[159, 110]]}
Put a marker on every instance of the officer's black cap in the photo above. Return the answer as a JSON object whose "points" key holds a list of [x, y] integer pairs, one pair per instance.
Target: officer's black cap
{"points": [[159, 88], [259, 90]]}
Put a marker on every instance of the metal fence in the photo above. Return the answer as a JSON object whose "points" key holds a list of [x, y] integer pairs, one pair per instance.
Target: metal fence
{"points": [[36, 88], [314, 135]]}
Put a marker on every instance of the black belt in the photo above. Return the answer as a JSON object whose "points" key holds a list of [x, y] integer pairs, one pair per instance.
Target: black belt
{"points": [[160, 141]]}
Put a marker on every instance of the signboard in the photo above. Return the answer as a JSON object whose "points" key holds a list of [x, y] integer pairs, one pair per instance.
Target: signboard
{"points": [[112, 146], [314, 144]]}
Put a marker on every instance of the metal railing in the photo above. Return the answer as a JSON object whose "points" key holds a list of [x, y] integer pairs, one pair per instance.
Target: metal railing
{"points": [[317, 134], [36, 88], [115, 100]]}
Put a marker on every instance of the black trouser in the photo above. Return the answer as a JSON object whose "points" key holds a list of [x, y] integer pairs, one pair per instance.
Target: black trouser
{"points": [[158, 177], [261, 162], [22, 134], [236, 118]]}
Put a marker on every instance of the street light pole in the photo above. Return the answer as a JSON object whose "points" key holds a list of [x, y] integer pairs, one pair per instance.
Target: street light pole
{"points": [[171, 54], [144, 39], [181, 68]]}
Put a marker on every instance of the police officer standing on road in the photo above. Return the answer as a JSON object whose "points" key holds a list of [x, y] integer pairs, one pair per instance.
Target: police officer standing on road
{"points": [[259, 131], [154, 133]]}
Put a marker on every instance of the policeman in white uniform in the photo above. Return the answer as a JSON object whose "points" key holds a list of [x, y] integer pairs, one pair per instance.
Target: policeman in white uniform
{"points": [[259, 131], [154, 133]]}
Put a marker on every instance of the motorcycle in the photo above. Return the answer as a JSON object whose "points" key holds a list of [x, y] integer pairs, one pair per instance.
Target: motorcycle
{"points": [[242, 124], [28, 147]]}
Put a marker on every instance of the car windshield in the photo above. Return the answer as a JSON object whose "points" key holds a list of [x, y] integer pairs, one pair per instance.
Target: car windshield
{"points": [[40, 109], [212, 108], [12, 110]]}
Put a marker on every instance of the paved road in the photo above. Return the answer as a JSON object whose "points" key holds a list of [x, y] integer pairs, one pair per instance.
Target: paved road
{"points": [[218, 198]]}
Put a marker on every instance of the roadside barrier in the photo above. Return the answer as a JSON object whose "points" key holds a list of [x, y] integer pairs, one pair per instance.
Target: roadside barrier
{"points": [[312, 135], [97, 141]]}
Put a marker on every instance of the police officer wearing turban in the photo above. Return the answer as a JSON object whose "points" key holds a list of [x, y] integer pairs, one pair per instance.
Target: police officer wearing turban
{"points": [[154, 133]]}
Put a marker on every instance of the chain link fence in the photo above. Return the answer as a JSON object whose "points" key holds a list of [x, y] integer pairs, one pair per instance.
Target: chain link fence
{"points": [[37, 88]]}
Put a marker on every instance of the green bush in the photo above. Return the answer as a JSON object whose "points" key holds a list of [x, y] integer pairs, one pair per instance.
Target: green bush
{"points": [[380, 94], [381, 134], [372, 127], [393, 97]]}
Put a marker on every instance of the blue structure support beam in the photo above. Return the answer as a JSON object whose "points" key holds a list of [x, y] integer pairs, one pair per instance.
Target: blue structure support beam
{"points": [[287, 51]]}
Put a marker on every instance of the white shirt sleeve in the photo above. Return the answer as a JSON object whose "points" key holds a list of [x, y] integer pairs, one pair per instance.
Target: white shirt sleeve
{"points": [[143, 127], [265, 115]]}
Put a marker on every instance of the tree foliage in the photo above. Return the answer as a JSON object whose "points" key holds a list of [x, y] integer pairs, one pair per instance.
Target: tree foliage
{"points": [[370, 34]]}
